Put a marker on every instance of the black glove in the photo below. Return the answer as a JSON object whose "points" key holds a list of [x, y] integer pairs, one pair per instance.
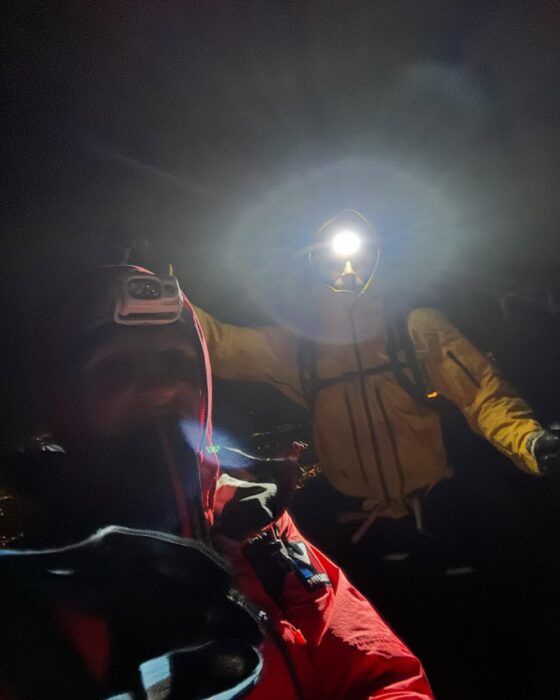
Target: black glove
{"points": [[546, 448], [245, 507]]}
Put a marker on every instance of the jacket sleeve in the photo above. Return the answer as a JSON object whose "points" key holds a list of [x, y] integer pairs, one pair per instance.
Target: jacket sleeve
{"points": [[356, 656], [461, 373], [266, 354]]}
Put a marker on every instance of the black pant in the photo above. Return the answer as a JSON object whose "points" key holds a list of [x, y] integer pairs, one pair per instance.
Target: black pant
{"points": [[461, 526]]}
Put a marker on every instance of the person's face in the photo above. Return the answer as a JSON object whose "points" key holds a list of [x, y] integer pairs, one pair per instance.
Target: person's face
{"points": [[345, 272], [347, 266], [136, 376]]}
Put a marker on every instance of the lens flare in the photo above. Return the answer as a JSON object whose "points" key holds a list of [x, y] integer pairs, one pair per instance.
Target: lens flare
{"points": [[346, 243]]}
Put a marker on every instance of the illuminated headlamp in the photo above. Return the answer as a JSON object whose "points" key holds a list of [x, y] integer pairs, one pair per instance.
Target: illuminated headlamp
{"points": [[346, 243], [144, 300]]}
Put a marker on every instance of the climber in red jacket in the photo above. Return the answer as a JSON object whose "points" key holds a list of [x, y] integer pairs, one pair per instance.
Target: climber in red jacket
{"points": [[135, 364]]}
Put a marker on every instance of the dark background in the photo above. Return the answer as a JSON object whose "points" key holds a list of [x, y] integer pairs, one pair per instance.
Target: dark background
{"points": [[224, 133]]}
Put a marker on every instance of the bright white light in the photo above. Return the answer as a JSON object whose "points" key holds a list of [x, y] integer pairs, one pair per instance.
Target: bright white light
{"points": [[345, 243]]}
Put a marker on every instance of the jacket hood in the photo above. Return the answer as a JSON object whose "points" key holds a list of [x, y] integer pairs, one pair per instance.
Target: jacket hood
{"points": [[90, 316], [208, 458], [365, 260], [202, 434]]}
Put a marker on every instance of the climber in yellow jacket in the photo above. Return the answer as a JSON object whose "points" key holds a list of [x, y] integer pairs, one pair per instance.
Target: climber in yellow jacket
{"points": [[366, 380]]}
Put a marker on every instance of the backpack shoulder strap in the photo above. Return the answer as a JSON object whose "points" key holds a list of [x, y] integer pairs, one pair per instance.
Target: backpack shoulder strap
{"points": [[307, 368], [400, 345], [402, 355]]}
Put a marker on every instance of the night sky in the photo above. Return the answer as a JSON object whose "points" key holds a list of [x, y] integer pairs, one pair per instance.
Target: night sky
{"points": [[224, 133]]}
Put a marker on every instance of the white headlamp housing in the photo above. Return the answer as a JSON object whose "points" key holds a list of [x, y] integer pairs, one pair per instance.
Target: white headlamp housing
{"points": [[148, 300]]}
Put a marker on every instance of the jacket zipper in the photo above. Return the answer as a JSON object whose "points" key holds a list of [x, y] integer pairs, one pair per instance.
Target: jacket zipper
{"points": [[457, 361], [367, 408], [355, 436], [392, 440]]}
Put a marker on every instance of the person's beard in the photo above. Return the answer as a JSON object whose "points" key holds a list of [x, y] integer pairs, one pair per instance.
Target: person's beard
{"points": [[349, 283]]}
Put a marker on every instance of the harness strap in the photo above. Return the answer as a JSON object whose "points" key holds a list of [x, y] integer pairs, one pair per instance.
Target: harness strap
{"points": [[321, 384], [307, 366], [398, 340]]}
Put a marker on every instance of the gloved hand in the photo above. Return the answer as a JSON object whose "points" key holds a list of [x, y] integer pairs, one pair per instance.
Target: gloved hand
{"points": [[546, 449], [244, 507]]}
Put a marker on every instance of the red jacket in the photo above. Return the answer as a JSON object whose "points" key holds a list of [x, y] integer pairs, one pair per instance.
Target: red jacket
{"points": [[339, 646], [323, 644]]}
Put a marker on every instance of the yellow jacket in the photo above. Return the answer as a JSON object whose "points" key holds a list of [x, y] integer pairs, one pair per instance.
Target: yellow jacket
{"points": [[373, 440]]}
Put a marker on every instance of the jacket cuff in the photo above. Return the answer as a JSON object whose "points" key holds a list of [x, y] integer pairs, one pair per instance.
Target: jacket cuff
{"points": [[529, 451]]}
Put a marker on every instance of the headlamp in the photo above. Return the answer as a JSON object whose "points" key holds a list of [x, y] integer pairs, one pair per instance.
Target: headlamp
{"points": [[346, 243], [145, 299]]}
